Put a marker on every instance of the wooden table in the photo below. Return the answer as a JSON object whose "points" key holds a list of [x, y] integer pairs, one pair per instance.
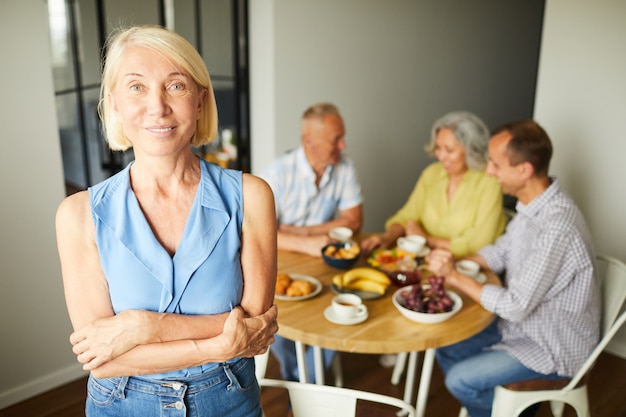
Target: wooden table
{"points": [[385, 330]]}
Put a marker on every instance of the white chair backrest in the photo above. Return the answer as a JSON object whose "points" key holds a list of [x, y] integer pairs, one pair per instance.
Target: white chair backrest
{"points": [[260, 364], [613, 296], [311, 400], [613, 289]]}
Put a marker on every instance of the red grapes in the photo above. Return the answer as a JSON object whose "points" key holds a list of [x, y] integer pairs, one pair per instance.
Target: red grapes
{"points": [[427, 299]]}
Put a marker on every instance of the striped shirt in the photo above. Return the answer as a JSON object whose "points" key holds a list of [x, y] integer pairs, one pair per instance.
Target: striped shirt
{"points": [[549, 307], [299, 202]]}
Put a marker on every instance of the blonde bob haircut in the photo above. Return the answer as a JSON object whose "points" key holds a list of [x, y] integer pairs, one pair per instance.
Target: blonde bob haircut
{"points": [[181, 53]]}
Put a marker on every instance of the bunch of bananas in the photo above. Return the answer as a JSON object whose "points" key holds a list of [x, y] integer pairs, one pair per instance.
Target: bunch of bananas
{"points": [[363, 279]]}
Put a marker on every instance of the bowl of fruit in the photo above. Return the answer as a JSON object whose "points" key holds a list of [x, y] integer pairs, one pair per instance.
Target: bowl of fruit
{"points": [[341, 255], [427, 303]]}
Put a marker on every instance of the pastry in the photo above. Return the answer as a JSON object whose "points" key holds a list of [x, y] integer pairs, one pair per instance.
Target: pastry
{"points": [[299, 287], [283, 281]]}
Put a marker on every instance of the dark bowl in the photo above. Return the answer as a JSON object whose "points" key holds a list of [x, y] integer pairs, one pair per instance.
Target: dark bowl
{"points": [[403, 278], [341, 263]]}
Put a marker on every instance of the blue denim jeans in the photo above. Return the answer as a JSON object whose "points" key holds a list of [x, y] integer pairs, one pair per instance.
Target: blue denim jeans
{"points": [[472, 372], [284, 350], [230, 390]]}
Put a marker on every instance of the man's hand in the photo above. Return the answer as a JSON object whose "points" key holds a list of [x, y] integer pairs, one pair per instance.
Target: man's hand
{"points": [[440, 262], [312, 245]]}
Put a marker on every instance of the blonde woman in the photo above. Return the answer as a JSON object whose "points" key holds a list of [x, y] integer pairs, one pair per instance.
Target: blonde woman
{"points": [[169, 265]]}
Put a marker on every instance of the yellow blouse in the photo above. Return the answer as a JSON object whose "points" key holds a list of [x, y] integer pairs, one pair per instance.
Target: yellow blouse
{"points": [[473, 218]]}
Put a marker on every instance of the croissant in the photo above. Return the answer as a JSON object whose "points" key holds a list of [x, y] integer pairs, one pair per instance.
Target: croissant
{"points": [[283, 281], [299, 287]]}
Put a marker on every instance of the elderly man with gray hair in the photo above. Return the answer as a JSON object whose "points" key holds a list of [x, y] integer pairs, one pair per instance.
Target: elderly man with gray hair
{"points": [[316, 188]]}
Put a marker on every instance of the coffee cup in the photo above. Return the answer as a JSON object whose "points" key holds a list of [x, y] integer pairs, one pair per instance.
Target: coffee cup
{"points": [[467, 267], [411, 243], [347, 306], [341, 234]]}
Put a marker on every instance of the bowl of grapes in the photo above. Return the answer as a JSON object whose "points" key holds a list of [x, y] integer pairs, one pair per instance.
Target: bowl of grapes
{"points": [[427, 303]]}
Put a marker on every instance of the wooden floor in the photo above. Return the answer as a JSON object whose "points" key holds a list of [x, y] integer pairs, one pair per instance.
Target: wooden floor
{"points": [[607, 392]]}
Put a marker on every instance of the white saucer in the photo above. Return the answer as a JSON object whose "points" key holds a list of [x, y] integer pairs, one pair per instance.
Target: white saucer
{"points": [[481, 278], [329, 314], [425, 251]]}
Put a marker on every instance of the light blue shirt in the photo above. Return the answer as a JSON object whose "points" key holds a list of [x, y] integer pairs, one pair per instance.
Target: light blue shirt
{"points": [[203, 277], [299, 202]]}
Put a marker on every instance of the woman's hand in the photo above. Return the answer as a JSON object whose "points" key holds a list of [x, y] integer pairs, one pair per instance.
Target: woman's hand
{"points": [[107, 338], [103, 341], [383, 240], [377, 241], [248, 336]]}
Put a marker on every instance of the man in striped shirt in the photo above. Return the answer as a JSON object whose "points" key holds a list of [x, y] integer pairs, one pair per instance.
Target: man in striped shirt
{"points": [[548, 309], [316, 189], [315, 186]]}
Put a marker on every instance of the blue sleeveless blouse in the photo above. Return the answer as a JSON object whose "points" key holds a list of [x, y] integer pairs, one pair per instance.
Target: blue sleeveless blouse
{"points": [[203, 277]]}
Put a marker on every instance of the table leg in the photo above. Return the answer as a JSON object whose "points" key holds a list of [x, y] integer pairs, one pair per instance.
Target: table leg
{"points": [[318, 362], [398, 368], [301, 360], [422, 392], [410, 380], [410, 377]]}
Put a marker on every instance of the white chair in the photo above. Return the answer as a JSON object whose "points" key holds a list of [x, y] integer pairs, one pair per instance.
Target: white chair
{"points": [[312, 400], [512, 399], [261, 361], [260, 364]]}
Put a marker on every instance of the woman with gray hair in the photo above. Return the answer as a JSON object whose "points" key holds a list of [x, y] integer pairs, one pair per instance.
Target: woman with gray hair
{"points": [[454, 204]]}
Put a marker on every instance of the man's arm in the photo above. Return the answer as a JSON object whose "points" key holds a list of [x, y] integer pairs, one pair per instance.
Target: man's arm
{"points": [[441, 263], [351, 218], [311, 239]]}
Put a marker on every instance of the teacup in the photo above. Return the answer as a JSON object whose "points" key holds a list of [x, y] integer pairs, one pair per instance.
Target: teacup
{"points": [[347, 306], [341, 234], [411, 243], [467, 267]]}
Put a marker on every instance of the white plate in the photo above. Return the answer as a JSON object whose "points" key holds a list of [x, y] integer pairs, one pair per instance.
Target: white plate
{"points": [[329, 314], [481, 278], [316, 290]]}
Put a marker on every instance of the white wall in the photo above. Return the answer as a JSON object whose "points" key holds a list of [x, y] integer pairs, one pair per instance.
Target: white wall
{"points": [[392, 67], [581, 101], [35, 353], [261, 47]]}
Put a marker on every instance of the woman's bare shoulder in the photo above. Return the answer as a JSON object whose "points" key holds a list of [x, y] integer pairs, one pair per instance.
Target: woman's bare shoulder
{"points": [[256, 185], [258, 198], [74, 209]]}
